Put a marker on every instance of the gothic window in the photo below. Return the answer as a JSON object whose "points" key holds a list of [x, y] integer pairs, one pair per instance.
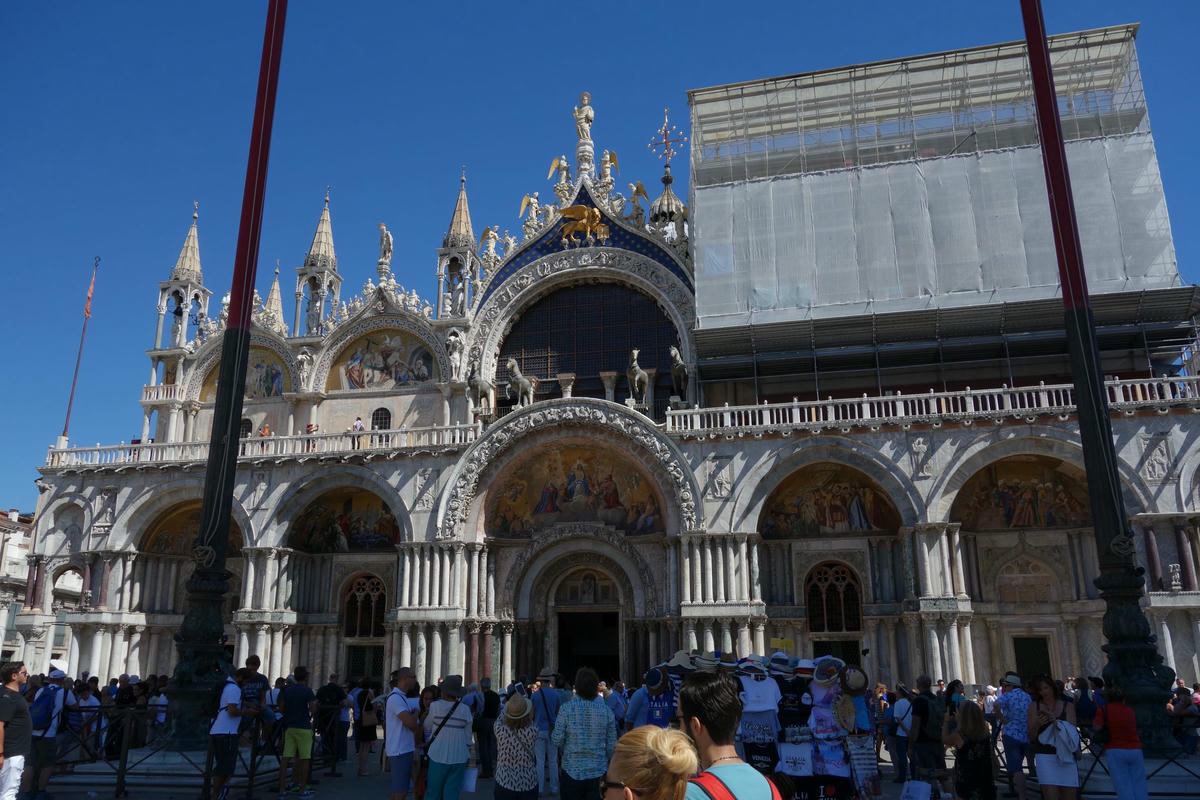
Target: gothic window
{"points": [[1024, 580], [365, 603], [587, 330], [245, 428], [381, 420], [834, 599]]}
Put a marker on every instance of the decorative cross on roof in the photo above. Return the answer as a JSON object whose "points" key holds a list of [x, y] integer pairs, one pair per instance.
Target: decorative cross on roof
{"points": [[668, 136]]}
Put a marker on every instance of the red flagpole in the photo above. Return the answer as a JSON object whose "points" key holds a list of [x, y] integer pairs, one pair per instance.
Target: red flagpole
{"points": [[87, 314]]}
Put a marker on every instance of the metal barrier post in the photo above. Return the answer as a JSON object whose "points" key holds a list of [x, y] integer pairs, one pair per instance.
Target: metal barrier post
{"points": [[123, 764], [252, 769]]}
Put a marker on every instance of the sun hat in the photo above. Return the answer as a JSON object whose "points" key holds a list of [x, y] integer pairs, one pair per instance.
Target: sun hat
{"points": [[1011, 679], [751, 665], [653, 678], [826, 670], [682, 659], [56, 675], [804, 668], [517, 708], [547, 674], [854, 681], [729, 662], [707, 661], [780, 665]]}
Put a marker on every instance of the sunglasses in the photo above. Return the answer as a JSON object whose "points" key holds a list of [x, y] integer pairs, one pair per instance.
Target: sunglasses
{"points": [[605, 785]]}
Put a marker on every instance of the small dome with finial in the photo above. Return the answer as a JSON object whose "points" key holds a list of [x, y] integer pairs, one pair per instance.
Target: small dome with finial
{"points": [[668, 207]]}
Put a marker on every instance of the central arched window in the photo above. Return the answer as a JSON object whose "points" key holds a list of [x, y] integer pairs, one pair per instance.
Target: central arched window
{"points": [[834, 599], [586, 330], [381, 420], [365, 603]]}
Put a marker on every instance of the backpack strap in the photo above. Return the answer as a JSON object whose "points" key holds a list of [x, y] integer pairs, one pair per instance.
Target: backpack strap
{"points": [[716, 789]]}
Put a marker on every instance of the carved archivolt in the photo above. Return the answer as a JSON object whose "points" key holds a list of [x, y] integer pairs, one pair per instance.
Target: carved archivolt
{"points": [[347, 333], [564, 412], [593, 532], [528, 284], [210, 356]]}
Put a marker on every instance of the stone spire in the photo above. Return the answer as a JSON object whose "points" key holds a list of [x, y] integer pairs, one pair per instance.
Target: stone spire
{"points": [[273, 308], [321, 253], [460, 233], [187, 267]]}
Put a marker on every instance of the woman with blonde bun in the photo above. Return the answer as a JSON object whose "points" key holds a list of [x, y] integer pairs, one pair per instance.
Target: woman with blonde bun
{"points": [[650, 763]]}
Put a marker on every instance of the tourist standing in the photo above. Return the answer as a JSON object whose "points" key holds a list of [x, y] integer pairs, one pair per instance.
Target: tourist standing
{"points": [[448, 741], [16, 729], [1057, 772], [616, 702], [653, 763], [587, 734], [902, 717], [401, 722], [45, 744], [925, 736], [486, 730], [972, 743], [1012, 706], [515, 736], [546, 702], [1123, 748], [709, 712], [224, 732], [296, 706], [365, 723]]}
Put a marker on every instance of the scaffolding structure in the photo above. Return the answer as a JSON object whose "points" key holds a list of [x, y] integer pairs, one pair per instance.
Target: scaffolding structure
{"points": [[916, 184]]}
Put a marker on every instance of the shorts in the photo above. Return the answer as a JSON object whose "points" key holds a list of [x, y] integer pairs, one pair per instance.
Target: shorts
{"points": [[297, 743], [225, 753], [1014, 754], [44, 752], [401, 767], [10, 777]]}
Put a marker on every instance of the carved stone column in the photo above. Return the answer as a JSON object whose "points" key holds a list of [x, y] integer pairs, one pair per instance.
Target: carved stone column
{"points": [[487, 645], [709, 642], [420, 664], [118, 650], [756, 627], [690, 643], [719, 573], [1184, 547], [995, 658], [707, 569], [1071, 643], [278, 667], [566, 383], [506, 653], [248, 578], [1194, 618], [471, 673], [436, 636], [473, 581], [1153, 562], [135, 656], [954, 668], [610, 386], [243, 646], [1165, 645], [892, 668], [933, 649], [755, 584], [685, 571], [491, 583], [968, 649], [105, 581], [906, 562], [957, 556], [96, 651], [871, 629]]}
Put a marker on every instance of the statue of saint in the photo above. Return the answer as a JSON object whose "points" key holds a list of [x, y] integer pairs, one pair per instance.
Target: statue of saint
{"points": [[584, 115], [385, 245]]}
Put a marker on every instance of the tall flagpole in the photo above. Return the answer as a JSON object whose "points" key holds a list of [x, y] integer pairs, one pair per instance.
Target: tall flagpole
{"points": [[87, 314], [204, 662], [1133, 661]]}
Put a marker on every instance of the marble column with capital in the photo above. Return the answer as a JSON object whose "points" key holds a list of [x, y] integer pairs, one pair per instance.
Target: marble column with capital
{"points": [[954, 668], [1183, 546], [968, 650], [933, 649], [995, 657], [892, 668], [1194, 619], [1153, 562], [506, 653], [486, 645], [1165, 644]]}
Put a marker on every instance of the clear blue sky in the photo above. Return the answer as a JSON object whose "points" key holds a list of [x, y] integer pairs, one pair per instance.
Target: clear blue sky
{"points": [[119, 115]]}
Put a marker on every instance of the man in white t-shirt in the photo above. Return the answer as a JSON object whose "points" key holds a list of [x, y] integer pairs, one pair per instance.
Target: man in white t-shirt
{"points": [[902, 716], [224, 732], [400, 720]]}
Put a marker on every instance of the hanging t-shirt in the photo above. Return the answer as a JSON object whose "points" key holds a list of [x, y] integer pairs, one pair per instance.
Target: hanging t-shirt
{"points": [[795, 759], [660, 709], [793, 713], [762, 756], [760, 709]]}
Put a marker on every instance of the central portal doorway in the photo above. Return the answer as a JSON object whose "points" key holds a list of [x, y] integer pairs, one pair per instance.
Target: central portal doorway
{"points": [[1032, 654], [589, 639]]}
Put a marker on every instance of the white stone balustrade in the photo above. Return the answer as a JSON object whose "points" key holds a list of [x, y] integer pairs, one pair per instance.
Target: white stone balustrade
{"points": [[948, 407], [269, 447], [160, 392]]}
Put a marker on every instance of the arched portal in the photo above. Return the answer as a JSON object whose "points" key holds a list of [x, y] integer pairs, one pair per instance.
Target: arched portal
{"points": [[833, 605], [827, 499]]}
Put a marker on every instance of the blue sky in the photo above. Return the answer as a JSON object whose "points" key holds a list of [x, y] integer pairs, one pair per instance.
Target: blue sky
{"points": [[119, 115]]}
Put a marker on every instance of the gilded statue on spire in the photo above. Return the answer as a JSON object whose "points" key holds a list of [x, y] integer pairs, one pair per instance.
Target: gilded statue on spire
{"points": [[584, 116]]}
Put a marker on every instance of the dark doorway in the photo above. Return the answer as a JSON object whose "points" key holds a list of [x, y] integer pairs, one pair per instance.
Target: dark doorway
{"points": [[364, 661], [589, 639], [1032, 655], [847, 651]]}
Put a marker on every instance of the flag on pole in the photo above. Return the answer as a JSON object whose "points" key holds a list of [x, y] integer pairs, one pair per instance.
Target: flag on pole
{"points": [[87, 308]]}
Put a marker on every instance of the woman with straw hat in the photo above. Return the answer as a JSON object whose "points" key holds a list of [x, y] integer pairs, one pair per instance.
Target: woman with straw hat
{"points": [[516, 762]]}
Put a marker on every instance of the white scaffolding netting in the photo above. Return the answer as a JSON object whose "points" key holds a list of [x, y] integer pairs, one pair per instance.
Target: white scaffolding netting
{"points": [[916, 184]]}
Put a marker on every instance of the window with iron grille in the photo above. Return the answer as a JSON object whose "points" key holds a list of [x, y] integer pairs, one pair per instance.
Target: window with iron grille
{"points": [[365, 603], [587, 330], [834, 599], [381, 420]]}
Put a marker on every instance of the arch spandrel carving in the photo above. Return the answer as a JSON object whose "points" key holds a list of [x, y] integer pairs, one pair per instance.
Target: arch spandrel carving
{"points": [[530, 283], [630, 426]]}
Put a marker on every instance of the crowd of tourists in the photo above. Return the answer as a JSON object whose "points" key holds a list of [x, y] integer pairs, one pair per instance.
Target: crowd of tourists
{"points": [[701, 726]]}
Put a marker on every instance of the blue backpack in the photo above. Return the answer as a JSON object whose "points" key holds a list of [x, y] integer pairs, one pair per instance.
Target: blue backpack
{"points": [[41, 713]]}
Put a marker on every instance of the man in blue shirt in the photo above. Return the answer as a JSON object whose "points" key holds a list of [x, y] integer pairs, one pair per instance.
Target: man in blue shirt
{"points": [[296, 706], [546, 702]]}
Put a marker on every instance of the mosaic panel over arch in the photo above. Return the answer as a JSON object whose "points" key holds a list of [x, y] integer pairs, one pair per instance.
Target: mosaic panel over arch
{"points": [[389, 358], [827, 499], [573, 481], [266, 376], [345, 520], [1023, 491], [174, 531]]}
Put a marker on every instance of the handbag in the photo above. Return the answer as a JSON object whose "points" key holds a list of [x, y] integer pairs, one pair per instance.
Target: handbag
{"points": [[367, 716]]}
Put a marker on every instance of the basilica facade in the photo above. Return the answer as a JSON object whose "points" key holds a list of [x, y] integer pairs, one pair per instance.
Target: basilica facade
{"points": [[581, 450]]}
